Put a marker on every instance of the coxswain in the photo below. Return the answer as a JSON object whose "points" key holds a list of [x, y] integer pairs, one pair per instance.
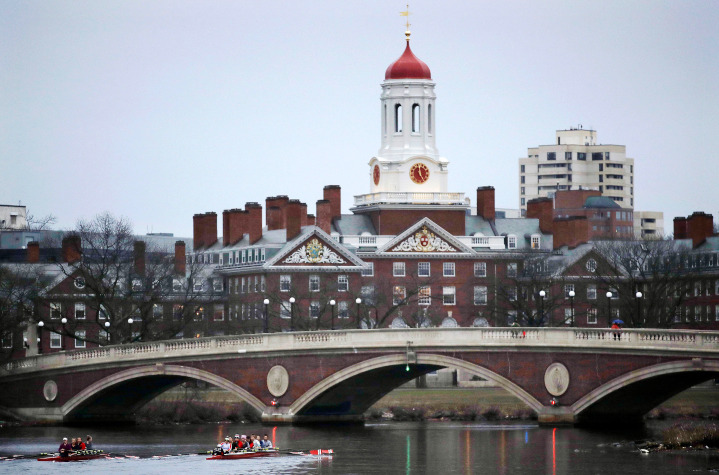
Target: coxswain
{"points": [[88, 444], [226, 446], [65, 448]]}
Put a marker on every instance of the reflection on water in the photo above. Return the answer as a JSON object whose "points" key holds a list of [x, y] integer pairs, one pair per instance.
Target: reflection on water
{"points": [[438, 448]]}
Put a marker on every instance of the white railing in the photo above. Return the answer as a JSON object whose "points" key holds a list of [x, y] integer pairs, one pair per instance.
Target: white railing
{"points": [[410, 197], [686, 342], [486, 242], [365, 241]]}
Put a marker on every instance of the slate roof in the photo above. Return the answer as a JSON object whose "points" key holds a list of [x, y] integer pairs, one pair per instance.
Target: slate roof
{"points": [[354, 225]]}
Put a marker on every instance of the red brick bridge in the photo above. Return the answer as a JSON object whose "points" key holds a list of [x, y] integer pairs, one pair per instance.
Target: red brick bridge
{"points": [[566, 375]]}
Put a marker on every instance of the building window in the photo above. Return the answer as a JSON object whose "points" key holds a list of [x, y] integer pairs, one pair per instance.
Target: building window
{"points": [[511, 242], [80, 311], [7, 340], [217, 285], [398, 118], [522, 179], [592, 316], [716, 313], [448, 295], [343, 309], [568, 317], [448, 269], [55, 340], [315, 309], [425, 295], [591, 265], [568, 288], [398, 269], [597, 155], [480, 295], [429, 118], [415, 117], [535, 241], [285, 309], [511, 269], [423, 269], [399, 294], [157, 311], [511, 317], [219, 313], [104, 337], [285, 283], [368, 270], [591, 292], [55, 310], [567, 155], [80, 282], [581, 156], [178, 312], [521, 168], [480, 269], [551, 155], [367, 293], [314, 283], [343, 283], [199, 314], [197, 286], [522, 191], [244, 285]]}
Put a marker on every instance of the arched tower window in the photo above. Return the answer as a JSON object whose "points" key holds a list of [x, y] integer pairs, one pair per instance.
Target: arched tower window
{"points": [[415, 117], [429, 119], [384, 120], [398, 117]]}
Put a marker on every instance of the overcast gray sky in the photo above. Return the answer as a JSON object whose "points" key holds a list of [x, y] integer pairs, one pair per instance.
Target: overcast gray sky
{"points": [[156, 110]]}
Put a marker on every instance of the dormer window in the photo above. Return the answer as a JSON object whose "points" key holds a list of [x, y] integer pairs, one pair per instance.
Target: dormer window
{"points": [[511, 241], [535, 241]]}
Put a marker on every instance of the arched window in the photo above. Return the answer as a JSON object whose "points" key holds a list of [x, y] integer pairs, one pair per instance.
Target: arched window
{"points": [[398, 117], [384, 120], [415, 118], [429, 119]]}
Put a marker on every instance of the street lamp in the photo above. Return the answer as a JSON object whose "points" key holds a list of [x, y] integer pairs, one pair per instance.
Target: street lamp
{"points": [[332, 318], [571, 301], [542, 293], [292, 314], [639, 306], [40, 326], [62, 341], [267, 322], [609, 305], [358, 301]]}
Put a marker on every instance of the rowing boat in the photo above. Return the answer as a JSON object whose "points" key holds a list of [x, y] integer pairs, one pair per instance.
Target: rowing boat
{"points": [[243, 455], [72, 458]]}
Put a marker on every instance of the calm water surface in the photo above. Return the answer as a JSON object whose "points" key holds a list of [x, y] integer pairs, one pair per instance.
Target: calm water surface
{"points": [[386, 448]]}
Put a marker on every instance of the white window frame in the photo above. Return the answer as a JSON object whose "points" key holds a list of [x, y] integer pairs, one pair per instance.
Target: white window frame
{"points": [[7, 339], [398, 269], [536, 241], [55, 340], [568, 288], [314, 283], [368, 271], [449, 269], [55, 310], [424, 295], [314, 309], [343, 283], [157, 315], [591, 292], [399, 294], [285, 309], [217, 284], [80, 307], [512, 269], [285, 282], [511, 241], [480, 269], [592, 316], [79, 342], [449, 295], [424, 269], [480, 295], [343, 309]]}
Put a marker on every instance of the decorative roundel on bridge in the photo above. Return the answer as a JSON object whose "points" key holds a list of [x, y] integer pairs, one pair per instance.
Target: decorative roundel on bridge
{"points": [[278, 380], [556, 379], [50, 390]]}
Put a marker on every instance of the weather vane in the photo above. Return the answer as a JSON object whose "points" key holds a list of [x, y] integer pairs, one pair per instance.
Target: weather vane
{"points": [[406, 13]]}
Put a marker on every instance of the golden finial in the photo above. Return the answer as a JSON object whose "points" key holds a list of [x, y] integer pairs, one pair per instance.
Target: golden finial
{"points": [[406, 13]]}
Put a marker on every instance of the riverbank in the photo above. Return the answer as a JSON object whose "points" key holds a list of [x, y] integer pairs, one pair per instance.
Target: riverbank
{"points": [[194, 405]]}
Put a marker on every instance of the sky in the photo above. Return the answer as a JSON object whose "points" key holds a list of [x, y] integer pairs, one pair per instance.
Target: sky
{"points": [[159, 110]]}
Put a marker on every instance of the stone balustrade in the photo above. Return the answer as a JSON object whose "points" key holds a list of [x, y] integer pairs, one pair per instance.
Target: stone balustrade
{"points": [[421, 339]]}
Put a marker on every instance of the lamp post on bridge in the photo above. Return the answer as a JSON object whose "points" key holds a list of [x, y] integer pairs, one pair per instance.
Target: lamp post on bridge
{"points": [[571, 302], [609, 305], [358, 301], [267, 321], [542, 293], [40, 326], [639, 296], [332, 317], [292, 314]]}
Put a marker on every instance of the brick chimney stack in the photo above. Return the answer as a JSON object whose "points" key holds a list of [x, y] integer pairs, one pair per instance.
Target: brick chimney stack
{"points": [[138, 255], [235, 226], [543, 209], [209, 228], [303, 214], [294, 218], [700, 226], [180, 258], [254, 221], [680, 228], [33, 252], [485, 202], [333, 193], [197, 236], [273, 216], [310, 220], [324, 216], [71, 248]]}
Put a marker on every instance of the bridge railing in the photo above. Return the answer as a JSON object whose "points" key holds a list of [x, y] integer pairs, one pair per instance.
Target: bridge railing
{"points": [[586, 339]]}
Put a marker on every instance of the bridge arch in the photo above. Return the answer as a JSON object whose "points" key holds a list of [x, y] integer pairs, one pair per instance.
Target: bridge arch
{"points": [[635, 393], [424, 364], [170, 375]]}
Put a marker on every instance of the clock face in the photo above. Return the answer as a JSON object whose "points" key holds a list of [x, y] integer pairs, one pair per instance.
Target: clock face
{"points": [[375, 174], [419, 173]]}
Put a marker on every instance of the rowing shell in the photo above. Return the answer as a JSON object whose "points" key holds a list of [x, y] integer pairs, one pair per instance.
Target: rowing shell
{"points": [[72, 458], [242, 455]]}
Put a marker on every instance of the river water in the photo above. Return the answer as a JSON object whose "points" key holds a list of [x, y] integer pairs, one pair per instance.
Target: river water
{"points": [[375, 448]]}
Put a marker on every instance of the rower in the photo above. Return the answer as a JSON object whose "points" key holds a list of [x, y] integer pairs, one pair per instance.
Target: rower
{"points": [[65, 448], [80, 444], [256, 443], [226, 446], [88, 444], [267, 442]]}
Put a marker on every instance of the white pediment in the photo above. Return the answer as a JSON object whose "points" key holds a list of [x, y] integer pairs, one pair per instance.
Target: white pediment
{"points": [[426, 237]]}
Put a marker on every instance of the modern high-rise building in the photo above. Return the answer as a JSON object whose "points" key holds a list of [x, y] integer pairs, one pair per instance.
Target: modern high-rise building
{"points": [[576, 162]]}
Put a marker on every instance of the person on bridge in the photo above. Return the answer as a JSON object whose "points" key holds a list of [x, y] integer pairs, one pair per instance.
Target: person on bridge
{"points": [[65, 448], [615, 326]]}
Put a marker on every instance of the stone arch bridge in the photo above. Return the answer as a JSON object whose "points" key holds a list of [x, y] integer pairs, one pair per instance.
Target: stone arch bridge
{"points": [[566, 375]]}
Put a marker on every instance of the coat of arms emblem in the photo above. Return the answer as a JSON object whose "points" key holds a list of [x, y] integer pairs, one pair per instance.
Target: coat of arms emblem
{"points": [[315, 250]]}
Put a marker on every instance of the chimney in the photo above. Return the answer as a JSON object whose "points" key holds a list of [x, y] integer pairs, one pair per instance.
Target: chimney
{"points": [[225, 227], [33, 252], [680, 228], [303, 214], [543, 209], [294, 218], [333, 193], [71, 248], [324, 216], [253, 222], [235, 225], [485, 202], [197, 237], [209, 228], [180, 257], [310, 220], [273, 216], [139, 257], [699, 227]]}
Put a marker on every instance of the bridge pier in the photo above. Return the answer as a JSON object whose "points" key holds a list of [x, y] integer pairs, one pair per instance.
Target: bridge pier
{"points": [[553, 415]]}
